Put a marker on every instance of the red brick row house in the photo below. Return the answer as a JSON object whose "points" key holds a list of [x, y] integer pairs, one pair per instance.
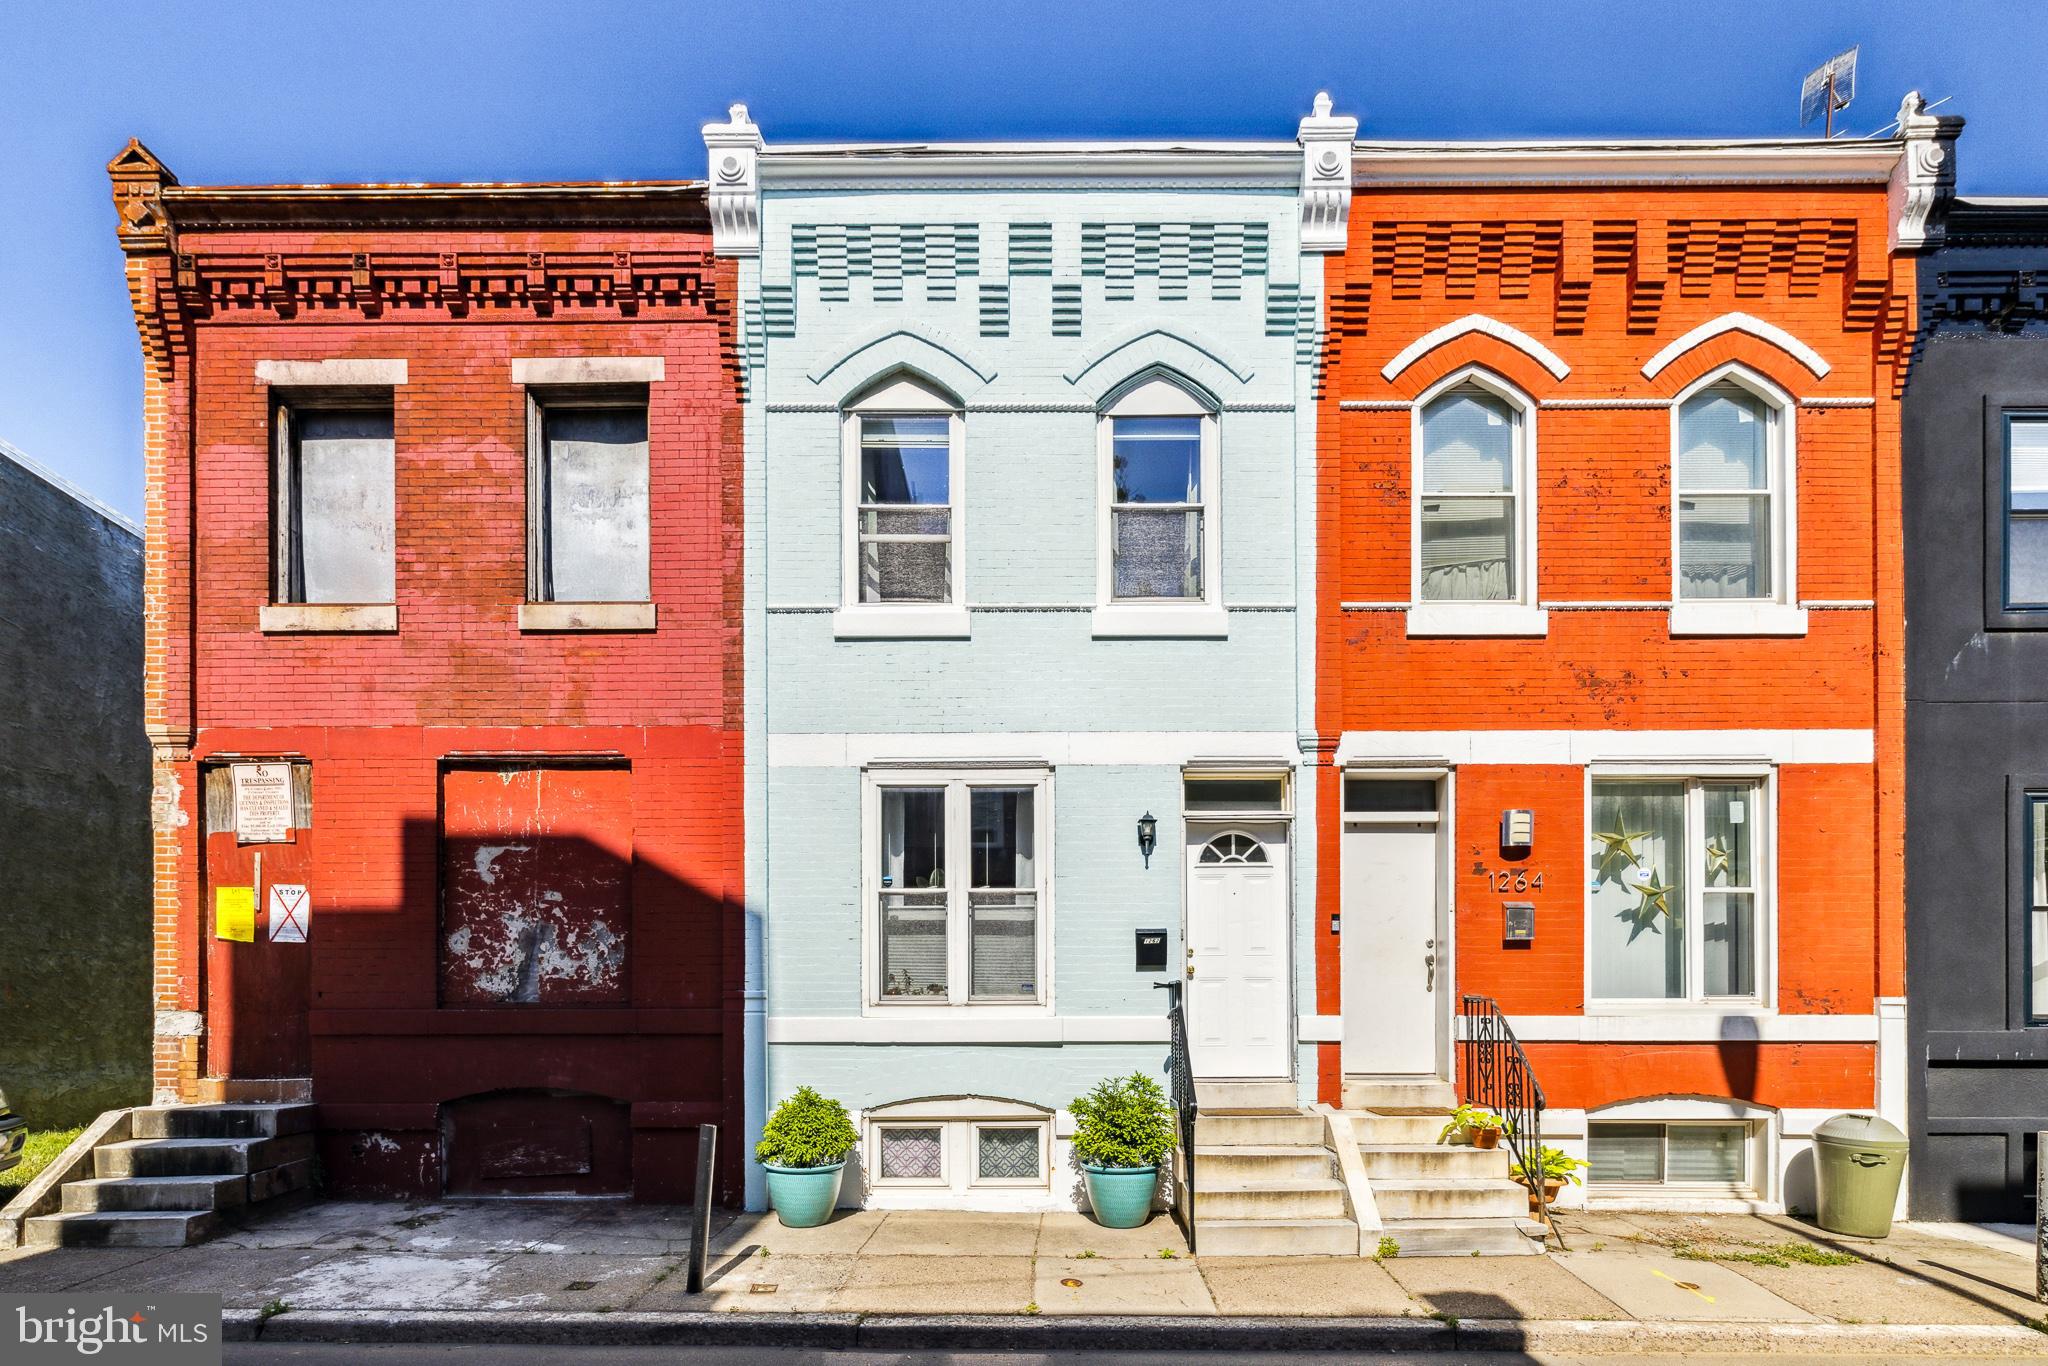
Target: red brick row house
{"points": [[443, 590]]}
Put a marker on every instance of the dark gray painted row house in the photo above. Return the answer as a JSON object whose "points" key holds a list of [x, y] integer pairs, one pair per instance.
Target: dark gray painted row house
{"points": [[74, 803], [1976, 524]]}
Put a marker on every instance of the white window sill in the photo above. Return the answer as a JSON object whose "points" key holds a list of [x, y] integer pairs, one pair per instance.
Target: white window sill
{"points": [[586, 616], [306, 618], [1477, 619], [1737, 619], [1147, 621], [886, 621]]}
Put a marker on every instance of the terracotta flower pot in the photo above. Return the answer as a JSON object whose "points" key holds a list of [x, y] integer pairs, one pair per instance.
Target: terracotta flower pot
{"points": [[1483, 1138]]}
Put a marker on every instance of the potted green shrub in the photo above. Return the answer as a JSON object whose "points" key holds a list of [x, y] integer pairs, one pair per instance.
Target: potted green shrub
{"points": [[1124, 1126], [1556, 1167], [803, 1148], [1480, 1126]]}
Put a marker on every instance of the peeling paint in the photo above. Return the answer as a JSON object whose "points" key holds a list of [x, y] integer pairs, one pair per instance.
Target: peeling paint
{"points": [[488, 856], [167, 800]]}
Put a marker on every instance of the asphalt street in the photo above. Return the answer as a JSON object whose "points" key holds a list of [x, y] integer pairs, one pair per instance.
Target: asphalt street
{"points": [[337, 1354]]}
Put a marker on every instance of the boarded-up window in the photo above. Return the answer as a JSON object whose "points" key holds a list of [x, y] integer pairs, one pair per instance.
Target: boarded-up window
{"points": [[535, 884], [589, 522], [335, 515]]}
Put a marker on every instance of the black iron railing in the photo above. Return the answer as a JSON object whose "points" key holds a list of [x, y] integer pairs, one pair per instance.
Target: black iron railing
{"points": [[1182, 1088], [1498, 1076]]}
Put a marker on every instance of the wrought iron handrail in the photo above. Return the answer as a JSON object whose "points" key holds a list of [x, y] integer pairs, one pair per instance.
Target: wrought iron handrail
{"points": [[1181, 1076], [1499, 1077]]}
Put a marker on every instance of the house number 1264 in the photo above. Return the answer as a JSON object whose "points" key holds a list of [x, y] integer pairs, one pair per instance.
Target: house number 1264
{"points": [[1512, 879]]}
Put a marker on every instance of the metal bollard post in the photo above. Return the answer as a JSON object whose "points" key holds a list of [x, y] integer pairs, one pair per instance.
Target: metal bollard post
{"points": [[700, 1213]]}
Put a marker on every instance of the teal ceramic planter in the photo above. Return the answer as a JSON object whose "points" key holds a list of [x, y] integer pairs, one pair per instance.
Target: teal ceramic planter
{"points": [[803, 1197], [1121, 1196]]}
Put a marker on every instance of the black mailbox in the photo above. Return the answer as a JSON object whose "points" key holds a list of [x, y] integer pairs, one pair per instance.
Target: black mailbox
{"points": [[1151, 950]]}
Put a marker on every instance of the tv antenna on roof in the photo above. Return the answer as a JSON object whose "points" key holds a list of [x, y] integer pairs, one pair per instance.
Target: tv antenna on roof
{"points": [[1827, 90]]}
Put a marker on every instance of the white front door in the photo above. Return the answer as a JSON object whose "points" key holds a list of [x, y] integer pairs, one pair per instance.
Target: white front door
{"points": [[1395, 970], [1238, 959]]}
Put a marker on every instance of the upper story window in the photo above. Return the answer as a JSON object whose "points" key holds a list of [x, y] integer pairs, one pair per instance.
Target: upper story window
{"points": [[2037, 906], [958, 877], [335, 517], [1733, 566], [1676, 891], [587, 496], [1161, 537], [2026, 511], [902, 566], [1474, 569]]}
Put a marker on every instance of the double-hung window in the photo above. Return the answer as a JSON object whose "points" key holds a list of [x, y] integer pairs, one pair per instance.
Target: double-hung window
{"points": [[2037, 907], [902, 565], [957, 883], [1475, 558], [335, 517], [587, 496], [1733, 566], [1161, 537], [2025, 571], [1676, 890]]}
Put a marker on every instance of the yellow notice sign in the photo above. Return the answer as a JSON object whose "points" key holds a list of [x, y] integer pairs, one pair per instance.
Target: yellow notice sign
{"points": [[234, 914]]}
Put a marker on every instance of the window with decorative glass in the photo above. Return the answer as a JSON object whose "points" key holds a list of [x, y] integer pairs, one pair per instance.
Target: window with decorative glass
{"points": [[1468, 494], [1728, 475], [958, 883], [1675, 889]]}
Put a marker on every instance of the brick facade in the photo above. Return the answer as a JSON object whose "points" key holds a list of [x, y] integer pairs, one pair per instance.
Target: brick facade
{"points": [[456, 284]]}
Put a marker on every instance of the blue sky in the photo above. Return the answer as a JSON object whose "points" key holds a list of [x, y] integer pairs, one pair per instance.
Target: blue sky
{"points": [[227, 91]]}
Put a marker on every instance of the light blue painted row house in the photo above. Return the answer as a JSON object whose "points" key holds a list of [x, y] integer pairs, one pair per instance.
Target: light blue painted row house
{"points": [[1029, 515]]}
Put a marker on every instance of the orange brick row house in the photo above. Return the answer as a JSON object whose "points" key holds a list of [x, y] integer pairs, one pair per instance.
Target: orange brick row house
{"points": [[1608, 692], [443, 496]]}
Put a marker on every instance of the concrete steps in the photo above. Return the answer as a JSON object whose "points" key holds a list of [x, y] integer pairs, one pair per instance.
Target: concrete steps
{"points": [[1434, 1162], [1278, 1238], [1309, 1198], [184, 1170], [1436, 1199], [1440, 1200], [1266, 1182], [1465, 1237]]}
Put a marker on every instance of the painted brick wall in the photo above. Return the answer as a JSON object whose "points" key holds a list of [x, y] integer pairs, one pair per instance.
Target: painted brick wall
{"points": [[1605, 279], [376, 714]]}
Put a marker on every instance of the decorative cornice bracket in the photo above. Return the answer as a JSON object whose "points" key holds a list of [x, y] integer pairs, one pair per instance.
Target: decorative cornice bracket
{"points": [[1325, 177], [1924, 182], [733, 192]]}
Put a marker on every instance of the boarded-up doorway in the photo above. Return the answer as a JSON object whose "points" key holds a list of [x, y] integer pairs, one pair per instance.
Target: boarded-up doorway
{"points": [[536, 865], [258, 992], [537, 1143]]}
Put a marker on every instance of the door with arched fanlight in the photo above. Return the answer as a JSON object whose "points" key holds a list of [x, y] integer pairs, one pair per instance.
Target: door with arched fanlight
{"points": [[1237, 990]]}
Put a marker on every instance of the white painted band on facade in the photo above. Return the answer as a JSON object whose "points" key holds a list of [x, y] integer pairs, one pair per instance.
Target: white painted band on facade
{"points": [[1052, 747], [1576, 748], [587, 369], [946, 1027], [355, 373]]}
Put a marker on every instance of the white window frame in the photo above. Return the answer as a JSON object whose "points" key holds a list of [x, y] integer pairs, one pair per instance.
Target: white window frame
{"points": [[1520, 615], [972, 1157], [1779, 614], [1756, 1158], [943, 1181], [1694, 776], [901, 395], [957, 780], [1157, 393], [960, 1120]]}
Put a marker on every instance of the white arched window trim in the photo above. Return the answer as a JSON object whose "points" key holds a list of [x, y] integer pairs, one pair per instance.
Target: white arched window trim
{"points": [[1159, 394], [1521, 616], [857, 620], [1780, 613]]}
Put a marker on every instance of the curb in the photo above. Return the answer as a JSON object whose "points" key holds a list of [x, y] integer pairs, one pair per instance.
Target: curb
{"points": [[1013, 1332]]}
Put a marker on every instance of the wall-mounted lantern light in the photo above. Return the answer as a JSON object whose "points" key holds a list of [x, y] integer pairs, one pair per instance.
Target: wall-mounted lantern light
{"points": [[1148, 836], [1517, 829]]}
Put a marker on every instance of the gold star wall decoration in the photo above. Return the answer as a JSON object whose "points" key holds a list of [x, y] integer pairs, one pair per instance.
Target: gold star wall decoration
{"points": [[1618, 843]]}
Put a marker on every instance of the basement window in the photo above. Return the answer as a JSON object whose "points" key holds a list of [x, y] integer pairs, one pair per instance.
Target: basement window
{"points": [[1706, 1159], [587, 496], [334, 512], [959, 1144]]}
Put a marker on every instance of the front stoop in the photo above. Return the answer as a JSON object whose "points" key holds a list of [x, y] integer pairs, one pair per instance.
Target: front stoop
{"points": [[1266, 1182], [1435, 1199], [182, 1172]]}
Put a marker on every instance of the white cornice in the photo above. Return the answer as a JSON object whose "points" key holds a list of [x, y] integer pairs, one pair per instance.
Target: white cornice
{"points": [[1761, 162], [1032, 165]]}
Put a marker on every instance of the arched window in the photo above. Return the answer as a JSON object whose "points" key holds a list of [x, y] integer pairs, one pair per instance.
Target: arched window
{"points": [[1161, 538], [1474, 565], [1730, 484], [903, 564]]}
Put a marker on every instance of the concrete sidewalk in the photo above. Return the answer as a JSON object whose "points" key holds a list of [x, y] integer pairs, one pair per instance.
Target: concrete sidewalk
{"points": [[354, 1270]]}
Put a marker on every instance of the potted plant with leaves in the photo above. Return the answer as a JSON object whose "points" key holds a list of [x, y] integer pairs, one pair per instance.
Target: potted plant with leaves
{"points": [[803, 1148], [1123, 1127], [1555, 1167], [1478, 1125]]}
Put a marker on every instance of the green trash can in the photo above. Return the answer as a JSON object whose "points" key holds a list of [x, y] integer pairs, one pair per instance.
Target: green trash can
{"points": [[1860, 1159]]}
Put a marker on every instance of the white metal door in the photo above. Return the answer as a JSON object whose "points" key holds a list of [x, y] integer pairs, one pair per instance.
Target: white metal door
{"points": [[1238, 958], [1394, 966]]}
